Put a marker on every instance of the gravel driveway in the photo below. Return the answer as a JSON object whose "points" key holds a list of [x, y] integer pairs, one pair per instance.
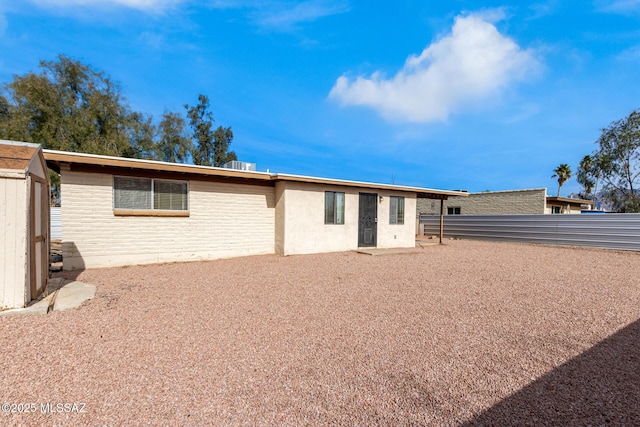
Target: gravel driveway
{"points": [[468, 332]]}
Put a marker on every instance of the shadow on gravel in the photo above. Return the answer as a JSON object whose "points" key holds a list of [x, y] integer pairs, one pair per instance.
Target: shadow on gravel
{"points": [[599, 387]]}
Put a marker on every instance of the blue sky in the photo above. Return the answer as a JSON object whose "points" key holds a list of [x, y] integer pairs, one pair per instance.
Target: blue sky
{"points": [[476, 95]]}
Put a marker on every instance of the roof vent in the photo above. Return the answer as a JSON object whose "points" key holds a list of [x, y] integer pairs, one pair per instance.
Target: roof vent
{"points": [[242, 166]]}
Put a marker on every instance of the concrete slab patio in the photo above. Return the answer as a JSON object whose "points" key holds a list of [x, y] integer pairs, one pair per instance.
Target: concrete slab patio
{"points": [[420, 243], [61, 294], [384, 251]]}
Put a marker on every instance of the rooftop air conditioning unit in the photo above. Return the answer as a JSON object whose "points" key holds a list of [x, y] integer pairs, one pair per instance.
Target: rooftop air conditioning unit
{"points": [[242, 166]]}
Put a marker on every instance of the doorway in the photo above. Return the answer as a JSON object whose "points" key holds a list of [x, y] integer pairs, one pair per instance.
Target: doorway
{"points": [[368, 220]]}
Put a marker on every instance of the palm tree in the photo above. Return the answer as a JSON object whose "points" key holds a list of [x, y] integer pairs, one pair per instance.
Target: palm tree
{"points": [[563, 173]]}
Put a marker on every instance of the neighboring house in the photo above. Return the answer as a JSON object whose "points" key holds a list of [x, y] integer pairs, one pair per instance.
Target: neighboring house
{"points": [[24, 223], [118, 211], [511, 202], [565, 205], [531, 201]]}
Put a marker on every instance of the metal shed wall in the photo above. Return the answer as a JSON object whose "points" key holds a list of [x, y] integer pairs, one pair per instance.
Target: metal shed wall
{"points": [[611, 231]]}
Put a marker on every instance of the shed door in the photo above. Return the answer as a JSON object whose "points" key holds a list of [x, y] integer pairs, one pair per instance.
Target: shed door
{"points": [[368, 220], [39, 236]]}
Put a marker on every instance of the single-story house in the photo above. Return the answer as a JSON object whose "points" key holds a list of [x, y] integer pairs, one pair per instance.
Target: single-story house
{"points": [[566, 205], [509, 202], [24, 223], [118, 211]]}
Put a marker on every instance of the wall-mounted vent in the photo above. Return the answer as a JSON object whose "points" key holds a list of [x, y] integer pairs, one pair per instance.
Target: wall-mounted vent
{"points": [[241, 166]]}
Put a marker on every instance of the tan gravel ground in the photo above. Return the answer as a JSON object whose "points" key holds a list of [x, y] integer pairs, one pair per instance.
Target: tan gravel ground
{"points": [[469, 332]]}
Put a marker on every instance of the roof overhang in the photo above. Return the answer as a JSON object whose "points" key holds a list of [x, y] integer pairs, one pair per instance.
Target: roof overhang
{"points": [[568, 201], [58, 160], [107, 164], [420, 192]]}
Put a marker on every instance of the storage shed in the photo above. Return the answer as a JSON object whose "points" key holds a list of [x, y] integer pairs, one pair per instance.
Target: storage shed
{"points": [[24, 223]]}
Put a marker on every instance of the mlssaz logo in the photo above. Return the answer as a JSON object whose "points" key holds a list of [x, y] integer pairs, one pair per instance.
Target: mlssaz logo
{"points": [[62, 407]]}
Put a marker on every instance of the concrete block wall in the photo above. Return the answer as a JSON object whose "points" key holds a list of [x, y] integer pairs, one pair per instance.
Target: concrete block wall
{"points": [[496, 202], [225, 220]]}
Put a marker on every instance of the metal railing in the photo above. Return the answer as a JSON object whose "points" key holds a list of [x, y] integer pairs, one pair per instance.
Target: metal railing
{"points": [[611, 231]]}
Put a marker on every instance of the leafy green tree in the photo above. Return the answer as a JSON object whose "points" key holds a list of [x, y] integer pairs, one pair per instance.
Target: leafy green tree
{"points": [[563, 173], [70, 106], [587, 177], [142, 136], [222, 138], [618, 163], [201, 121], [173, 146], [210, 148], [67, 106]]}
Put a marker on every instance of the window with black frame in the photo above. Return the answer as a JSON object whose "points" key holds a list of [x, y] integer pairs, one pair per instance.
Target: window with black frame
{"points": [[333, 207], [454, 210]]}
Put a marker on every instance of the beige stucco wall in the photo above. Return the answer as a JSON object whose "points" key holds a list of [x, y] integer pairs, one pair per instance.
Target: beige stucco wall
{"points": [[300, 221], [396, 235], [225, 220], [497, 203], [14, 242]]}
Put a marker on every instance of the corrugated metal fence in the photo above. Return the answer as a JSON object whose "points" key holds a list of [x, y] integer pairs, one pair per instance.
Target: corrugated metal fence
{"points": [[56, 223], [611, 231]]}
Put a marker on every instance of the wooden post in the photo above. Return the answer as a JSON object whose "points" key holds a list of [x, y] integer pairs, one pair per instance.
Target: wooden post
{"points": [[441, 219]]}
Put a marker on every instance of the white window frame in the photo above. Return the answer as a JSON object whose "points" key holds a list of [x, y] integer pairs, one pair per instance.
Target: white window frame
{"points": [[336, 211], [152, 210], [394, 216]]}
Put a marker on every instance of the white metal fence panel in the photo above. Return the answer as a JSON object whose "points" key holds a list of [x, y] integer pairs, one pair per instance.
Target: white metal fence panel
{"points": [[611, 231], [56, 223]]}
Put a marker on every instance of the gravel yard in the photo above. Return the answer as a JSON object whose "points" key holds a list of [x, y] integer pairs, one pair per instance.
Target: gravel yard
{"points": [[472, 333]]}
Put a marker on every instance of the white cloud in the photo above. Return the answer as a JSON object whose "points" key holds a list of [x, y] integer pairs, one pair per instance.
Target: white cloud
{"points": [[3, 23], [471, 64], [631, 54], [285, 18], [144, 5], [284, 15], [618, 6], [543, 9]]}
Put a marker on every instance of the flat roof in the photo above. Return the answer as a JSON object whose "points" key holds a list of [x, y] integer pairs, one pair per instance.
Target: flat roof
{"points": [[511, 191], [56, 158], [362, 184], [569, 200]]}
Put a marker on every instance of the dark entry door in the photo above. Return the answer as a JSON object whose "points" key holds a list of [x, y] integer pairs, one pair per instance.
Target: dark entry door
{"points": [[368, 220]]}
